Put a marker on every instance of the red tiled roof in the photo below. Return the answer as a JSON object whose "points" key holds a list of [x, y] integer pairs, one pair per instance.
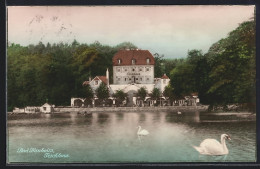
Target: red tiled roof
{"points": [[126, 57], [165, 77], [85, 83], [102, 78]]}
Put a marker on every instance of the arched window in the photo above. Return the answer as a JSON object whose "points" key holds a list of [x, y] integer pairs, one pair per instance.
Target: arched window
{"points": [[133, 61]]}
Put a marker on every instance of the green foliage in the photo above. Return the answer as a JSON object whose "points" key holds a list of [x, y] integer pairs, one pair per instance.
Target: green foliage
{"points": [[156, 94], [182, 79], [225, 74], [89, 92], [169, 64], [168, 92], [54, 71], [142, 93], [233, 66], [158, 67], [126, 45], [164, 66], [102, 92], [120, 96]]}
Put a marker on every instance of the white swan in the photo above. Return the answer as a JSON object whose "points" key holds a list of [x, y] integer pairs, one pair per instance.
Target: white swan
{"points": [[213, 147], [142, 132]]}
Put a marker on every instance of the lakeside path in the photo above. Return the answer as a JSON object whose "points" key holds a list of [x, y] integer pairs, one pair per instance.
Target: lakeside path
{"points": [[135, 109]]}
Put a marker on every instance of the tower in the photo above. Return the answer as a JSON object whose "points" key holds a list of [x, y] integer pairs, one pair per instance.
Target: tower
{"points": [[107, 76]]}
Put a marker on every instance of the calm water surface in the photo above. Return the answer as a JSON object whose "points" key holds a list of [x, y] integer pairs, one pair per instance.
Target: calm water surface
{"points": [[112, 137]]}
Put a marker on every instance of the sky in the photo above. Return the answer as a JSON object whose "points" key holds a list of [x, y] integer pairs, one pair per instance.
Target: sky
{"points": [[167, 30]]}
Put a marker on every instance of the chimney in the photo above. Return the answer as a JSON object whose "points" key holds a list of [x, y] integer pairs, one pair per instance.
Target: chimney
{"points": [[107, 76]]}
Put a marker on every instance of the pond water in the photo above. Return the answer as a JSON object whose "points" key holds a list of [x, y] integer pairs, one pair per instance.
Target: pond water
{"points": [[112, 137]]}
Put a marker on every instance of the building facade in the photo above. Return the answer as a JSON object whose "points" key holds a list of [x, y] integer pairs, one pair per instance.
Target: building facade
{"points": [[133, 66], [132, 70]]}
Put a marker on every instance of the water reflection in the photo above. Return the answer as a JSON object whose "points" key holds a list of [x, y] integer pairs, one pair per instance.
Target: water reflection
{"points": [[112, 137], [79, 119], [103, 118], [142, 117], [120, 116], [184, 117], [157, 117]]}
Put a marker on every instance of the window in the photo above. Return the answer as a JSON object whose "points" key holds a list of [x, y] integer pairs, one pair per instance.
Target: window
{"points": [[147, 78], [133, 70], [125, 70], [44, 108], [136, 78], [125, 79], [140, 79], [118, 70], [118, 79], [133, 61], [119, 61], [96, 82], [147, 60], [147, 69], [129, 78], [140, 69]]}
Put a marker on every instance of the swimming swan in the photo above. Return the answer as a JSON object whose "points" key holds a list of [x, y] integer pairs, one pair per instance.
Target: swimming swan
{"points": [[213, 147], [142, 132]]}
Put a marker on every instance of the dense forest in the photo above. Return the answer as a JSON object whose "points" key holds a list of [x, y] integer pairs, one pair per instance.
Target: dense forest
{"points": [[55, 72]]}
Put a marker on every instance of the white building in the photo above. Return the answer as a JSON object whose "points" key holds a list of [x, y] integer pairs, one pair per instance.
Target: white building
{"points": [[133, 66], [161, 83], [47, 108], [95, 83], [30, 109], [132, 69]]}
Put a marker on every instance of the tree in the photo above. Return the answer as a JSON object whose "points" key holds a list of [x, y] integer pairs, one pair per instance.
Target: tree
{"points": [[159, 65], [156, 94], [141, 93], [102, 92], [231, 58], [168, 93], [120, 96], [125, 45], [182, 80], [89, 92]]}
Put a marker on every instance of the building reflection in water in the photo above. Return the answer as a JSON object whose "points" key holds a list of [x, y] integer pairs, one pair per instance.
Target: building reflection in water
{"points": [[157, 117], [186, 117], [119, 116], [102, 118], [142, 117]]}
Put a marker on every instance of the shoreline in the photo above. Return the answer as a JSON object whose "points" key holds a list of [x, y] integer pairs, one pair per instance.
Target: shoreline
{"points": [[130, 109], [202, 111], [202, 108]]}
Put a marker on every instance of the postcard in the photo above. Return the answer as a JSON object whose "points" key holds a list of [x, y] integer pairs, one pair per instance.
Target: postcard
{"points": [[131, 84]]}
